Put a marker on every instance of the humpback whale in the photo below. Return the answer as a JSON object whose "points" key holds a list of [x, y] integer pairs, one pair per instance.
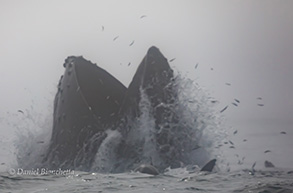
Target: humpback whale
{"points": [[89, 102]]}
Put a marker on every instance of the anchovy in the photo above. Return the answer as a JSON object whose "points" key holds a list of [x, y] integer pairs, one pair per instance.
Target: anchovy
{"points": [[115, 38], [172, 60], [224, 109], [267, 151], [131, 43], [236, 105], [20, 111]]}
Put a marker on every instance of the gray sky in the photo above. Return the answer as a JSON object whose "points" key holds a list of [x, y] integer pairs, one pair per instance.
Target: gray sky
{"points": [[247, 43]]}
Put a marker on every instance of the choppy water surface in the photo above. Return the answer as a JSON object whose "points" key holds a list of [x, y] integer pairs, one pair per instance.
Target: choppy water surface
{"points": [[240, 155], [176, 180]]}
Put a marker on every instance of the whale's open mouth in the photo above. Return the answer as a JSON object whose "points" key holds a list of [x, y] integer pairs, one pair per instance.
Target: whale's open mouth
{"points": [[101, 125]]}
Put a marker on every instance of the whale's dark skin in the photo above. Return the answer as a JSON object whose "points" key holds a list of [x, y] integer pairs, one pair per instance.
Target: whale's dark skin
{"points": [[90, 100], [87, 101], [153, 75], [155, 78]]}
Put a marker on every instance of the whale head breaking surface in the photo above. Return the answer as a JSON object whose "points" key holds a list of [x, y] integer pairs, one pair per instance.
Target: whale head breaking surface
{"points": [[101, 125]]}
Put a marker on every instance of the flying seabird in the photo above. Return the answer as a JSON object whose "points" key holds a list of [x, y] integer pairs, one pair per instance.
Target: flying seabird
{"points": [[267, 151], [142, 16], [283, 132], [238, 101], [20, 111]]}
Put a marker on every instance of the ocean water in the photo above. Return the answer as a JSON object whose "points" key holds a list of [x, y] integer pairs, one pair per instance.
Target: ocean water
{"points": [[176, 180], [240, 154]]}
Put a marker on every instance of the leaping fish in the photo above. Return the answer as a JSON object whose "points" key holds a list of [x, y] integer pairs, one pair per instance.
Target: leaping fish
{"points": [[224, 109], [172, 60], [131, 43]]}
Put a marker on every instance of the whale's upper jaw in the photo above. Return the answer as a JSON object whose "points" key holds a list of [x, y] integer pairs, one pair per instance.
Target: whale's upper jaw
{"points": [[153, 73], [88, 99]]}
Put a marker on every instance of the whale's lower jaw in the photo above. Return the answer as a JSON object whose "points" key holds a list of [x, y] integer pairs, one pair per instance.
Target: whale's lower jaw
{"points": [[90, 101]]}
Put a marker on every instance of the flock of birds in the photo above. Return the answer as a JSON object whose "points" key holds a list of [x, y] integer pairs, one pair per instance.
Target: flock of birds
{"points": [[236, 103]]}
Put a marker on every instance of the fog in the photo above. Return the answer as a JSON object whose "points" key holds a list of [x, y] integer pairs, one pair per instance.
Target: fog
{"points": [[248, 44]]}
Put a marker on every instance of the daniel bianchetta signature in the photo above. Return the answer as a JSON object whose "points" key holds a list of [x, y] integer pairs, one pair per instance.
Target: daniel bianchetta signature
{"points": [[40, 172]]}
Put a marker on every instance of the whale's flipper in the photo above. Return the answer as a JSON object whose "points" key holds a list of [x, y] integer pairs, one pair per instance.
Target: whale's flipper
{"points": [[88, 100], [209, 166]]}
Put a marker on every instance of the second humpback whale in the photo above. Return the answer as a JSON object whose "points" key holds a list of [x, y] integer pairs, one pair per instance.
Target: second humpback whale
{"points": [[91, 104]]}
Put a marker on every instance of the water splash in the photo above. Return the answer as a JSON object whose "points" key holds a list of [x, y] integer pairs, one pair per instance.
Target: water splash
{"points": [[191, 139], [32, 139], [106, 155], [25, 135], [188, 135]]}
